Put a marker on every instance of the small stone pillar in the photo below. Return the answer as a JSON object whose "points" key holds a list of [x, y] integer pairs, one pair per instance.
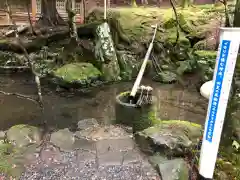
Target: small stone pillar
{"points": [[138, 117]]}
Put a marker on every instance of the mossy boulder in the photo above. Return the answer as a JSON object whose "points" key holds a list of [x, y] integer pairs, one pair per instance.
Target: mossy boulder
{"points": [[174, 169], [13, 159], [184, 67], [172, 137], [228, 166], [129, 65], [169, 23], [185, 24], [166, 77], [64, 139], [209, 44], [5, 166], [170, 36], [206, 55], [77, 75], [206, 61], [23, 135], [136, 22], [7, 161]]}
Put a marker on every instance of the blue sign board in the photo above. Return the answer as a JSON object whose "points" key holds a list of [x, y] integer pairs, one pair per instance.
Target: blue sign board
{"points": [[224, 51]]}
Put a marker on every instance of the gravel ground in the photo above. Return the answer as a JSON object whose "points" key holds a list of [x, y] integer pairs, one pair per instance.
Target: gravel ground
{"points": [[71, 169]]}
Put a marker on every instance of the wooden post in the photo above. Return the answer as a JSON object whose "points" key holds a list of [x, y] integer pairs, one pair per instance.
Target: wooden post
{"points": [[34, 10]]}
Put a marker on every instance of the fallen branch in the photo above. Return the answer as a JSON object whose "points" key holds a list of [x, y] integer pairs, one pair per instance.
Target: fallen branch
{"points": [[20, 96], [14, 67]]}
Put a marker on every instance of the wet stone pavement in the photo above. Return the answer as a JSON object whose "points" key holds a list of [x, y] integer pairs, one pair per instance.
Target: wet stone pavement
{"points": [[96, 153]]}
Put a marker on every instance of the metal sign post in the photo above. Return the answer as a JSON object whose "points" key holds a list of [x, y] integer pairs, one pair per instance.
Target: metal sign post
{"points": [[222, 80]]}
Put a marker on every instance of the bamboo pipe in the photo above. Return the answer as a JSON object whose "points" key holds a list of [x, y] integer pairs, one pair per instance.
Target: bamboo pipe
{"points": [[143, 67], [105, 9]]}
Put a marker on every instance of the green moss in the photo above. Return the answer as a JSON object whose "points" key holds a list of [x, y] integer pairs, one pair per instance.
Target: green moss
{"points": [[206, 54], [136, 22], [206, 44], [153, 118], [129, 65], [6, 159], [170, 23], [172, 123], [82, 73], [5, 148], [229, 163], [186, 24], [170, 37], [170, 137], [138, 117], [3, 41], [184, 129], [181, 122], [166, 77], [144, 117]]}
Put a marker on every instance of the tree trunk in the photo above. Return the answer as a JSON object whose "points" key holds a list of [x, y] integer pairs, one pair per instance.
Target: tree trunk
{"points": [[133, 2], [185, 3], [50, 16], [236, 21], [228, 129]]}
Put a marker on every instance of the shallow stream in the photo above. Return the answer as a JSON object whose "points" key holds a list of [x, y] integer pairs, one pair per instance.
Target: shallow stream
{"points": [[65, 109]]}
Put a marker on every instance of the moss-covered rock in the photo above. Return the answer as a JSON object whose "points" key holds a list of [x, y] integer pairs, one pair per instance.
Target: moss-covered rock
{"points": [[174, 169], [185, 24], [23, 135], [184, 67], [77, 74], [173, 137], [169, 23], [206, 62], [129, 65], [166, 77], [209, 44], [64, 139], [5, 149], [136, 22], [13, 159], [227, 165], [206, 55], [169, 38]]}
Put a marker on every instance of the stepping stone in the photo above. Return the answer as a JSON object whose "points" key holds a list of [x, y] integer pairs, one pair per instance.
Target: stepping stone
{"points": [[85, 156], [106, 145], [85, 144], [110, 158]]}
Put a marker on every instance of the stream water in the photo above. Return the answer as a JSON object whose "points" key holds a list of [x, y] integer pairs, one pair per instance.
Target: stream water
{"points": [[64, 109]]}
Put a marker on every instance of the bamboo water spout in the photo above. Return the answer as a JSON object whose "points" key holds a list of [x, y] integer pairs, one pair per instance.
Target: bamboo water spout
{"points": [[143, 67]]}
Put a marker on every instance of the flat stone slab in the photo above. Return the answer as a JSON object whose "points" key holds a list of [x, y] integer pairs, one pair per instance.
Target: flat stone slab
{"points": [[87, 123], [64, 139], [106, 145]]}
